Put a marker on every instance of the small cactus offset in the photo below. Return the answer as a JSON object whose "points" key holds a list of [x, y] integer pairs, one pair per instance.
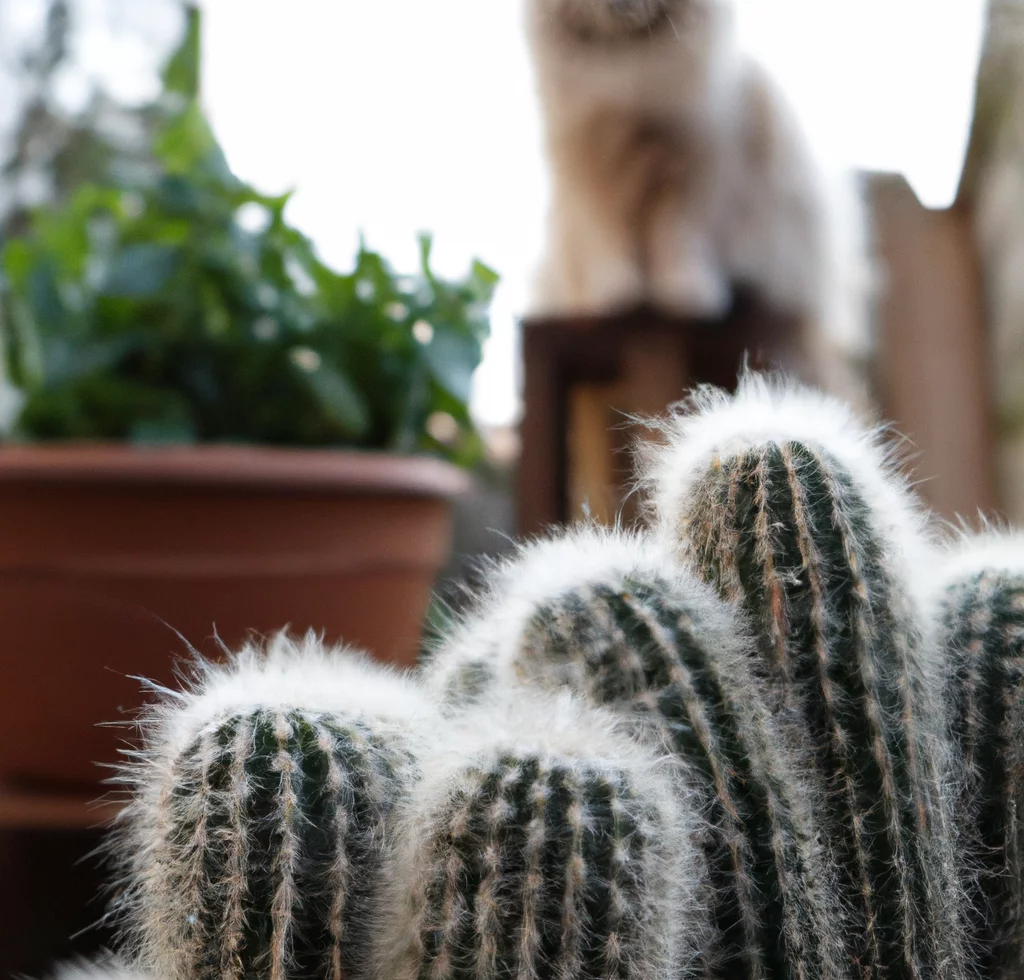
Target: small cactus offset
{"points": [[785, 504], [541, 844], [262, 807], [612, 617], [979, 601]]}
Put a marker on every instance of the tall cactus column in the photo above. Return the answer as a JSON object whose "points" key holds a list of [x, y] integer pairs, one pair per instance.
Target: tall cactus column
{"points": [[979, 601], [253, 848], [613, 618], [780, 500]]}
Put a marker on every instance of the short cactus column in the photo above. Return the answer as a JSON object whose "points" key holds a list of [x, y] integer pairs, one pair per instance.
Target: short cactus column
{"points": [[979, 599], [786, 505], [540, 844], [262, 806], [613, 618]]}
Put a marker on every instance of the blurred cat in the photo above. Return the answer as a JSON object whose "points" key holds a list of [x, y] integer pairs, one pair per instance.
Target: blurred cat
{"points": [[678, 172]]}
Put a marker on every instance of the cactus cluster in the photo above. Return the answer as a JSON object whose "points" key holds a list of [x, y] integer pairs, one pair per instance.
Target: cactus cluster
{"points": [[630, 630], [773, 737]]}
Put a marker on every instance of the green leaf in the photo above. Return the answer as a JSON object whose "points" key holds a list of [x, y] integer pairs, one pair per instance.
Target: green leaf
{"points": [[485, 275], [181, 74], [452, 359], [44, 298], [141, 271], [31, 362], [426, 243], [339, 399], [187, 146], [17, 262], [65, 359], [162, 431]]}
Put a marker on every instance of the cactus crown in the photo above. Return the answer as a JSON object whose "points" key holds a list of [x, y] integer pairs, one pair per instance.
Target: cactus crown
{"points": [[486, 648], [713, 425]]}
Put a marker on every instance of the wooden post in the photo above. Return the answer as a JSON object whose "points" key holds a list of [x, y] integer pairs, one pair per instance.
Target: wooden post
{"points": [[932, 374]]}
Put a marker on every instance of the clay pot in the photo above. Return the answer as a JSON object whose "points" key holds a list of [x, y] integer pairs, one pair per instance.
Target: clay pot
{"points": [[108, 553]]}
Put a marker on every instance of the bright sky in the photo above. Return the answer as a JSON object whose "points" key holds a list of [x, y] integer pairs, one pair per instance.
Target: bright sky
{"points": [[413, 115]]}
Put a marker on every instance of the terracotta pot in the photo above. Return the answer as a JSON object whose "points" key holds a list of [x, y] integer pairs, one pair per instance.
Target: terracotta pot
{"points": [[106, 551]]}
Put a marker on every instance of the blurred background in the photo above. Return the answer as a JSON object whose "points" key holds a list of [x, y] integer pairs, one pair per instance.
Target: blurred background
{"points": [[266, 357]]}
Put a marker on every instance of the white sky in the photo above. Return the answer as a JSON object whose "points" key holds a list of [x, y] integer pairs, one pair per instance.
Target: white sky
{"points": [[413, 115]]}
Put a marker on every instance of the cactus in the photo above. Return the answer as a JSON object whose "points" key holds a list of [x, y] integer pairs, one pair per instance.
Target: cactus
{"points": [[262, 804], [541, 843], [979, 602], [785, 504], [613, 618]]}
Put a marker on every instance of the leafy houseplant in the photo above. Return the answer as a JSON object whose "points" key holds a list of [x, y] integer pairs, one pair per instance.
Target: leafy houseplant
{"points": [[177, 304], [187, 358]]}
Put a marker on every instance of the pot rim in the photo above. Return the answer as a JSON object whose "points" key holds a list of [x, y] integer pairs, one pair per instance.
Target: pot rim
{"points": [[345, 472]]}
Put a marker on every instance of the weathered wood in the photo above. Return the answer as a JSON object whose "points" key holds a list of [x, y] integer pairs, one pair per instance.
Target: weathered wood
{"points": [[932, 374]]}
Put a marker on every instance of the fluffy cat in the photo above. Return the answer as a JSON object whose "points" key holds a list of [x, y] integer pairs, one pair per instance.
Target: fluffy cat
{"points": [[678, 172]]}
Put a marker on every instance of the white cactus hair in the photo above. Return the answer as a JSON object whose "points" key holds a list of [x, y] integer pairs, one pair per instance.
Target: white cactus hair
{"points": [[105, 967], [994, 549], [712, 424], [489, 636], [282, 672], [556, 730], [278, 675]]}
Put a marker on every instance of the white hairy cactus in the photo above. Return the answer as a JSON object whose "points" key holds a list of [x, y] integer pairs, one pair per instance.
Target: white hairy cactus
{"points": [[788, 506], [542, 838], [613, 617], [260, 812], [978, 602]]}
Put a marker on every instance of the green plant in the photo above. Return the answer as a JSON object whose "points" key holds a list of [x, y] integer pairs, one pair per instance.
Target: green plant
{"points": [[790, 509], [177, 304], [612, 618], [979, 601]]}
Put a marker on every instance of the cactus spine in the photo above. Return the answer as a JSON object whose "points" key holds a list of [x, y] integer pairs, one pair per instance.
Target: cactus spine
{"points": [[624, 627], [979, 597], [779, 500], [528, 854], [258, 830]]}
